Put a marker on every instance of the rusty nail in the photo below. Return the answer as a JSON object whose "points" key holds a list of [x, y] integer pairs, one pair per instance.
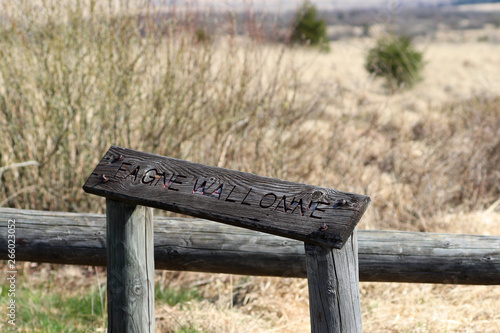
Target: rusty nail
{"points": [[324, 227], [342, 202], [119, 157], [104, 178]]}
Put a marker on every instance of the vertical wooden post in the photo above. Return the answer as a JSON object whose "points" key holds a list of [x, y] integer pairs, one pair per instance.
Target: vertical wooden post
{"points": [[333, 279], [130, 268]]}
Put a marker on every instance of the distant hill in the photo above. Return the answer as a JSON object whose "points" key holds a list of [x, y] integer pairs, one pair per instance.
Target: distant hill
{"points": [[472, 2]]}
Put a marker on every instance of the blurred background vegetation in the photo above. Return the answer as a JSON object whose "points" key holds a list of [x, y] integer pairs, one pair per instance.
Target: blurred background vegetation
{"points": [[78, 76]]}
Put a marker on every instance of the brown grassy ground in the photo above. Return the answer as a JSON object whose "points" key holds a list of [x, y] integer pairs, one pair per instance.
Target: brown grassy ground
{"points": [[459, 89]]}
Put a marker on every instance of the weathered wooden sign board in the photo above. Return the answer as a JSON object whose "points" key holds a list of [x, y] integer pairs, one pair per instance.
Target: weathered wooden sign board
{"points": [[299, 211]]}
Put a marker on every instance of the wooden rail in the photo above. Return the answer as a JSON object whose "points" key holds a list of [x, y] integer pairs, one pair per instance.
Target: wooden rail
{"points": [[205, 246]]}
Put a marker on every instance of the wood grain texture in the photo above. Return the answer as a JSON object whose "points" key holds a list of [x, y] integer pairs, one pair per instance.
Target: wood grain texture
{"points": [[299, 211], [130, 283], [206, 246], [333, 280]]}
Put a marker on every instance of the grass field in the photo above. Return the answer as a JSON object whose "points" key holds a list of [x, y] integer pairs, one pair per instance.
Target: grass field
{"points": [[77, 78]]}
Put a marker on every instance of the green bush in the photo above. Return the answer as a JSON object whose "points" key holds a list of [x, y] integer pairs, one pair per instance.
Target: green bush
{"points": [[202, 36], [397, 61], [308, 29]]}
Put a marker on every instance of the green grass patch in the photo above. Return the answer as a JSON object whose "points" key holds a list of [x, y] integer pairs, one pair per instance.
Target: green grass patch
{"points": [[51, 308], [173, 296], [188, 329]]}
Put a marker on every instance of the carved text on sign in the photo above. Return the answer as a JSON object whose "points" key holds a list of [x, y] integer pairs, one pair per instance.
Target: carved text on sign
{"points": [[172, 181]]}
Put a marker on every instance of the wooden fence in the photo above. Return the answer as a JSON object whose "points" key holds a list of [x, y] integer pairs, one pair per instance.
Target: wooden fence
{"points": [[317, 223], [183, 244]]}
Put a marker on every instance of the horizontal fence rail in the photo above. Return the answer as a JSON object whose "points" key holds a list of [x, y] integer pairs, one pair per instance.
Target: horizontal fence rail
{"points": [[197, 245]]}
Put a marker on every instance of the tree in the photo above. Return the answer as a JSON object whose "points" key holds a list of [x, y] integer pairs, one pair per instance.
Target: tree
{"points": [[308, 28], [396, 60]]}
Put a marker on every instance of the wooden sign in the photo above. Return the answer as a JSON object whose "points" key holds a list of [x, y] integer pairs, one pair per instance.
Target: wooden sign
{"points": [[299, 211]]}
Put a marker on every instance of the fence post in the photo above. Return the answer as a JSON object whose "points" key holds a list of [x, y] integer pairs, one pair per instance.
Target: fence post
{"points": [[333, 279], [130, 252]]}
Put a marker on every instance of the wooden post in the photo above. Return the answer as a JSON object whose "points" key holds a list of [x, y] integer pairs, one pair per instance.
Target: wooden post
{"points": [[130, 267], [333, 280]]}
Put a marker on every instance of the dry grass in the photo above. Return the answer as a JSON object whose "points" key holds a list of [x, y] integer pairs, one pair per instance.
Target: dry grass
{"points": [[75, 79], [428, 157]]}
